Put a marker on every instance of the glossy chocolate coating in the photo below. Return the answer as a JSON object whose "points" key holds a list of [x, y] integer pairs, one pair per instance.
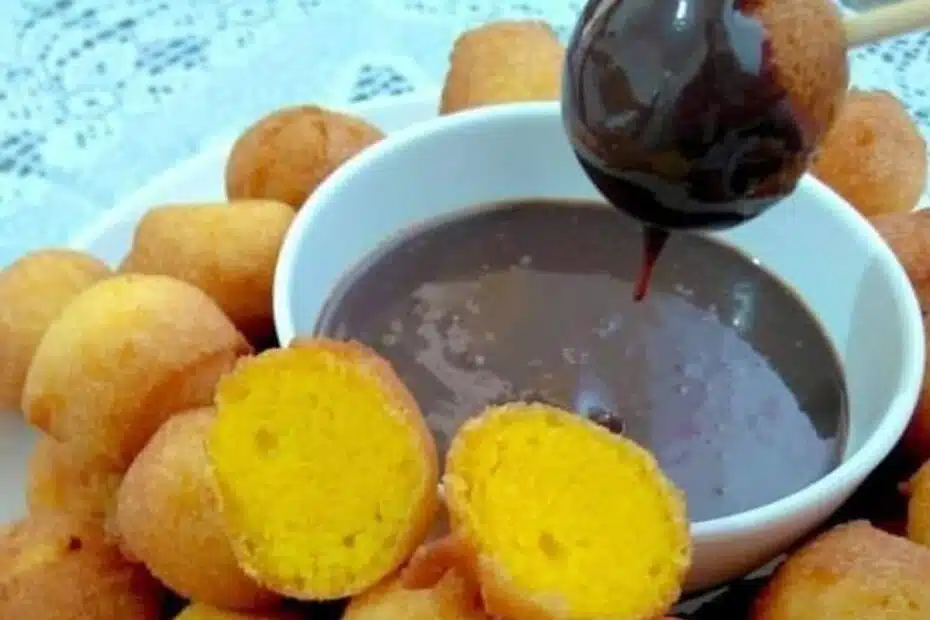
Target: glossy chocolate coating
{"points": [[675, 110]]}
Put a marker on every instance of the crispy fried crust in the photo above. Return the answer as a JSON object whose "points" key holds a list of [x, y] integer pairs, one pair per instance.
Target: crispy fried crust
{"points": [[451, 598], [123, 357], [57, 568], [287, 154], [874, 156], [502, 62], [33, 292], [852, 572], [62, 481], [436, 584], [168, 518], [227, 251]]}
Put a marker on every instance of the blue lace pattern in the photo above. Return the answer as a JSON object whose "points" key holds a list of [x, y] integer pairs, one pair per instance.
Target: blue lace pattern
{"points": [[98, 96]]}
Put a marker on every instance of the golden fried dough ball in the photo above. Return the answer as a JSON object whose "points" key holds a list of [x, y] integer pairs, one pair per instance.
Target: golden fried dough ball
{"points": [[63, 481], [436, 584], [918, 506], [908, 236], [852, 572], [287, 154], [199, 611], [227, 251], [33, 291], [325, 468], [58, 568], [502, 62], [168, 518], [435, 558], [874, 156], [535, 495], [124, 356], [451, 598]]}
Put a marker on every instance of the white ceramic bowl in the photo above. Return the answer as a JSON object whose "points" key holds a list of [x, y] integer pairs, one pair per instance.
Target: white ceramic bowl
{"points": [[814, 239]]}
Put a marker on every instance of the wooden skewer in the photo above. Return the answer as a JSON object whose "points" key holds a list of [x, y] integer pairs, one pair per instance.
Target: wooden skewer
{"points": [[887, 21]]}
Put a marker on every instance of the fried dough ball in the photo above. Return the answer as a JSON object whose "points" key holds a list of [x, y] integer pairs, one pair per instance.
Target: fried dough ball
{"points": [[227, 251], [168, 518], [571, 482], [451, 598], [918, 506], [874, 156], [33, 291], [199, 611], [436, 584], [287, 154], [502, 62], [58, 568], [62, 481], [815, 75], [335, 417], [908, 236], [124, 356], [433, 559], [852, 572]]}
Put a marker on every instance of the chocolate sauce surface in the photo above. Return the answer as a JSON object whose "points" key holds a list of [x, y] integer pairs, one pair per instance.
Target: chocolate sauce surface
{"points": [[721, 370], [675, 111]]}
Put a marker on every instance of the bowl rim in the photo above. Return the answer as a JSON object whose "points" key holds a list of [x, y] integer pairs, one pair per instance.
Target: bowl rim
{"points": [[845, 476]]}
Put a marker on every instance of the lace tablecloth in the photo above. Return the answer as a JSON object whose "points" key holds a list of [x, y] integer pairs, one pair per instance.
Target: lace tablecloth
{"points": [[98, 96]]}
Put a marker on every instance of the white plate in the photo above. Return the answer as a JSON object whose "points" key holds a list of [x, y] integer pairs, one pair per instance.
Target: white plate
{"points": [[199, 179]]}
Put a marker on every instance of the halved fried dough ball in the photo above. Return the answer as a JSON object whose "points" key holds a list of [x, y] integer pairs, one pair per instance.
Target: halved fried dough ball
{"points": [[64, 481], [123, 357], [200, 611], [325, 467], [58, 568], [169, 519], [561, 473], [287, 154], [874, 155], [854, 571], [33, 291], [502, 62], [227, 251]]}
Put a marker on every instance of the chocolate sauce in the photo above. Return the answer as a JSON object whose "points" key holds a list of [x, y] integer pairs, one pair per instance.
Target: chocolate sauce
{"points": [[721, 371], [653, 241], [675, 112]]}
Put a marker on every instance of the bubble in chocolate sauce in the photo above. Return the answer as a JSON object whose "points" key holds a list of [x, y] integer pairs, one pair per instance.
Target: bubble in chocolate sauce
{"points": [[608, 419]]}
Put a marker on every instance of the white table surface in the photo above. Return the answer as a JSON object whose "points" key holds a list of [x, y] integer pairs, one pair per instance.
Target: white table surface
{"points": [[98, 96]]}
